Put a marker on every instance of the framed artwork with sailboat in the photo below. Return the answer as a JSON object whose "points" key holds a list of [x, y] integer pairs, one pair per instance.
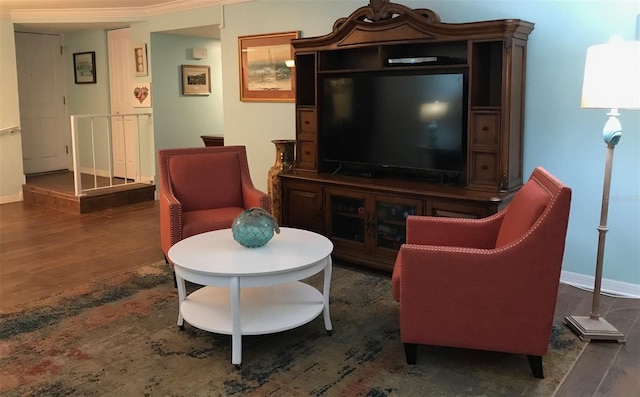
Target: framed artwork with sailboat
{"points": [[267, 70]]}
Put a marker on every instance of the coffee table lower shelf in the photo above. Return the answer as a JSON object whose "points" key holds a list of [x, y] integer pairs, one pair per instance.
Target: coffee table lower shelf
{"points": [[264, 310]]}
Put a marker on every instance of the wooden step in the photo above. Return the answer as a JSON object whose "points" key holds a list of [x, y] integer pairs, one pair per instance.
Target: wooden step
{"points": [[92, 201]]}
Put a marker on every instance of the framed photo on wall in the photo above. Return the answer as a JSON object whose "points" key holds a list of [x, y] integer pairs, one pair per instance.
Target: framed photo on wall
{"points": [[84, 67], [140, 57], [267, 72], [196, 80]]}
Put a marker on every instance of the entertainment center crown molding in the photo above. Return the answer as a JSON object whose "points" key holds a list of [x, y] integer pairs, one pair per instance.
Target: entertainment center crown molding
{"points": [[364, 216]]}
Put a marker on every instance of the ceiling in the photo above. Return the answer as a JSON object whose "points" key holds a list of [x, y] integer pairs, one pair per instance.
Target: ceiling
{"points": [[25, 11], [66, 4]]}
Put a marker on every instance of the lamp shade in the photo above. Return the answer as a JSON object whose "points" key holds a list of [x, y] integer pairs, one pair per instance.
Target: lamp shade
{"points": [[612, 76]]}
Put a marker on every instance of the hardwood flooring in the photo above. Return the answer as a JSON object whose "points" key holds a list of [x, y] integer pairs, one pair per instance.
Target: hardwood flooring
{"points": [[44, 251]]}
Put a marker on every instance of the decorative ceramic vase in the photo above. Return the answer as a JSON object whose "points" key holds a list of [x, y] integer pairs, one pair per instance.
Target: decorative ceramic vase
{"points": [[254, 227], [284, 162]]}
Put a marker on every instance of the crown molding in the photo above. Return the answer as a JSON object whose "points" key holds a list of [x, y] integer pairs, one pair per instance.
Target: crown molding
{"points": [[126, 13]]}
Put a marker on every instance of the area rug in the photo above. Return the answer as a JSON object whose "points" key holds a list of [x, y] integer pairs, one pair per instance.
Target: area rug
{"points": [[119, 338]]}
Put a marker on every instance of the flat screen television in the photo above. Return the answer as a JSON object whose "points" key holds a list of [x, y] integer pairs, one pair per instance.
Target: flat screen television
{"points": [[373, 122]]}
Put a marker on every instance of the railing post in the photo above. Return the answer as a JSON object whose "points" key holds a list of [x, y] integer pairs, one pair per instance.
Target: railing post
{"points": [[77, 183], [93, 156], [109, 148]]}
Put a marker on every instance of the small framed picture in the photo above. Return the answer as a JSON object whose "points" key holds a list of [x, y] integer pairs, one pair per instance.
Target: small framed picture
{"points": [[140, 57], [84, 67], [196, 80], [141, 95]]}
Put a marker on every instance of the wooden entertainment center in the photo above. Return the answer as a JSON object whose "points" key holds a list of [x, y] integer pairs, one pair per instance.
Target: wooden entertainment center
{"points": [[365, 217]]}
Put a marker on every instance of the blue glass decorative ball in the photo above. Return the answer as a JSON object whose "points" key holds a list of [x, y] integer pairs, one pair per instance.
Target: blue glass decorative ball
{"points": [[254, 227]]}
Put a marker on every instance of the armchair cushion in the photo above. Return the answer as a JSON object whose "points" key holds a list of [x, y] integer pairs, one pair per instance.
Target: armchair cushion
{"points": [[196, 222]]}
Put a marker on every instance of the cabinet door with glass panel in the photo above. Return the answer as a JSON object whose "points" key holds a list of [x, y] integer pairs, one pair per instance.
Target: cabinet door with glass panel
{"points": [[348, 221], [370, 223], [390, 225]]}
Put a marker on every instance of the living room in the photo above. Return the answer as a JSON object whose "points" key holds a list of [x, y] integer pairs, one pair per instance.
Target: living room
{"points": [[558, 134]]}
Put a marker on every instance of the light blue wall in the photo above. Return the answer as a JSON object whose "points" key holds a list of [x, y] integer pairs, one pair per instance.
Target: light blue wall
{"points": [[179, 120], [558, 134]]}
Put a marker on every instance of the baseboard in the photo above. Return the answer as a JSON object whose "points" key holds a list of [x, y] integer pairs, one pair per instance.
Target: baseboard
{"points": [[611, 287], [11, 198]]}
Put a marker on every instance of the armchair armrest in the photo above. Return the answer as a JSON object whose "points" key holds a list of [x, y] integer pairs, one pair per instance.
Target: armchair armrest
{"points": [[170, 219], [453, 232], [253, 197]]}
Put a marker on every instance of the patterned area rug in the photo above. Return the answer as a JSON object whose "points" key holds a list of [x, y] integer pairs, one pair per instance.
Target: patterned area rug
{"points": [[120, 338]]}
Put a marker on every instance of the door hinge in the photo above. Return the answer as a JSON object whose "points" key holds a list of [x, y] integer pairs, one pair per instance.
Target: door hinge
{"points": [[66, 148], [64, 100], [61, 50]]}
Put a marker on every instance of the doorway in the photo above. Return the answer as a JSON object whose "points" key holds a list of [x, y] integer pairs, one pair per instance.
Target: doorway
{"points": [[124, 130], [46, 133]]}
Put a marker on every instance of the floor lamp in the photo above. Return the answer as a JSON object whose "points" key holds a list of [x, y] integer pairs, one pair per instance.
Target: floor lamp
{"points": [[611, 81]]}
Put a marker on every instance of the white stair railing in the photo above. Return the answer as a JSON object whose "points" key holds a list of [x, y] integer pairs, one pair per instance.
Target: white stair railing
{"points": [[95, 136]]}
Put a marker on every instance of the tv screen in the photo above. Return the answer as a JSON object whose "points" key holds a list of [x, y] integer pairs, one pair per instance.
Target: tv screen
{"points": [[413, 122]]}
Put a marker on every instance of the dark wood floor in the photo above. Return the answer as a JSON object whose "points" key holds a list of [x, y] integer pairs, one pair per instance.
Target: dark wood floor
{"points": [[43, 251]]}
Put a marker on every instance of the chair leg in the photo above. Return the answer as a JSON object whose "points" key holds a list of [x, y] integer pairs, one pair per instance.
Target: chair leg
{"points": [[535, 362], [411, 351]]}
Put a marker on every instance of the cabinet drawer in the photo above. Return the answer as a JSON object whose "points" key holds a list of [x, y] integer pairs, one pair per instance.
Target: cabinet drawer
{"points": [[307, 155], [484, 169], [485, 128], [457, 210], [307, 124]]}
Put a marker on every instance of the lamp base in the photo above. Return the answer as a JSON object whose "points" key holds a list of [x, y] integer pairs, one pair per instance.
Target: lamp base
{"points": [[589, 329]]}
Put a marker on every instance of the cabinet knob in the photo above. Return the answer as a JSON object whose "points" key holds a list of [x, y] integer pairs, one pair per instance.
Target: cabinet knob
{"points": [[307, 152], [485, 128], [306, 121], [485, 167]]}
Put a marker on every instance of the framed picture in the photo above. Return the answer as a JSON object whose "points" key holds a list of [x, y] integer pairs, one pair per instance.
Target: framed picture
{"points": [[141, 95], [267, 73], [84, 67], [196, 80], [140, 57]]}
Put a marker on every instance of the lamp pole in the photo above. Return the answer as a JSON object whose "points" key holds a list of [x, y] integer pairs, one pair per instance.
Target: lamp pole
{"points": [[593, 327]]}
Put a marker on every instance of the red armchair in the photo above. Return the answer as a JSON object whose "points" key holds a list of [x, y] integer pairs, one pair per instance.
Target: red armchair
{"points": [[203, 189], [487, 284]]}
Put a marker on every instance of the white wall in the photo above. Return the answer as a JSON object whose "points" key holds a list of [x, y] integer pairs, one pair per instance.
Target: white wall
{"points": [[11, 171]]}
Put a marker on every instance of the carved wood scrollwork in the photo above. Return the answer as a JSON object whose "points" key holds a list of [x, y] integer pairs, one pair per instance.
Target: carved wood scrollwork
{"points": [[383, 10], [508, 44]]}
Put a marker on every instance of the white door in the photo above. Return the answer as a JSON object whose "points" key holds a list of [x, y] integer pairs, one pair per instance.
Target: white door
{"points": [[46, 133], [124, 130]]}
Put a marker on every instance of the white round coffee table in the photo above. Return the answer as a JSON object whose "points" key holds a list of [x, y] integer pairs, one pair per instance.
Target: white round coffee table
{"points": [[252, 291]]}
